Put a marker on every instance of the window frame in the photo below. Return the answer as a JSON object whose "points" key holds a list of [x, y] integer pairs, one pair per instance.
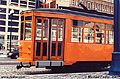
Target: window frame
{"points": [[105, 30], [77, 26], [24, 27]]}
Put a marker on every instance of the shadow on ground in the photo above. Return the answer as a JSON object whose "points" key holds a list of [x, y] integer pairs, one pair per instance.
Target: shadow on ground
{"points": [[67, 70]]}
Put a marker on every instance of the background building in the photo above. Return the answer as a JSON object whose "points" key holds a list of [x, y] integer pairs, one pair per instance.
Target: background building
{"points": [[105, 6], [5, 20]]}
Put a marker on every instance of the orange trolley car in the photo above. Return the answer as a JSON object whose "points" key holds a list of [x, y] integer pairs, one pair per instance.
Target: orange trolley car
{"points": [[56, 38]]}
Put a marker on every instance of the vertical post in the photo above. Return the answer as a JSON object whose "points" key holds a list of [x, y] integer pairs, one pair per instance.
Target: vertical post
{"points": [[115, 64], [49, 40], [11, 31]]}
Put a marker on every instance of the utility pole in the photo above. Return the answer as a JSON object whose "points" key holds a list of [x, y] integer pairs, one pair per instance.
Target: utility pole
{"points": [[115, 64]]}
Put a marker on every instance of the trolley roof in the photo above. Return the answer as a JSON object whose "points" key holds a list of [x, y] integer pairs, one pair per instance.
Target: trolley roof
{"points": [[74, 11]]}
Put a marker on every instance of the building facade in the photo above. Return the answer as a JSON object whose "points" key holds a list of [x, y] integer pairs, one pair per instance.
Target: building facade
{"points": [[105, 6], [5, 20]]}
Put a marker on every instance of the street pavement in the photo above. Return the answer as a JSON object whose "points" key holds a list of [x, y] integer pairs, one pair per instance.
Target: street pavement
{"points": [[8, 71]]}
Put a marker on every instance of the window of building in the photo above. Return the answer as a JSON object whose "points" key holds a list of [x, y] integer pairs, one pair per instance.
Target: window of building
{"points": [[31, 0], [23, 3], [2, 16], [28, 30], [91, 5], [3, 2], [31, 3], [101, 7], [13, 29], [31, 6], [105, 8], [98, 6], [13, 37], [2, 29], [2, 22], [15, 11], [2, 37], [88, 4], [13, 23], [77, 31], [14, 17], [14, 1], [3, 10]]}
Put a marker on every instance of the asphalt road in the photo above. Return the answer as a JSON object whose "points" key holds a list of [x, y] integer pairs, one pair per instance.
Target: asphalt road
{"points": [[8, 70]]}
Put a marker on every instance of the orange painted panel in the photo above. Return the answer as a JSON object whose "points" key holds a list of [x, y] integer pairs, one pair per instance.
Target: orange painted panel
{"points": [[88, 52], [25, 51]]}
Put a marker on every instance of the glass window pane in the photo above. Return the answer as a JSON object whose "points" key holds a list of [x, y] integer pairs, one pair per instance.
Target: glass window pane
{"points": [[76, 34], [2, 29], [88, 35], [100, 36], [38, 47], [60, 24], [22, 18], [2, 22], [28, 18], [109, 26], [77, 22], [13, 23], [89, 24], [14, 17], [22, 26], [53, 49], [2, 16], [45, 23], [38, 33], [13, 29], [60, 34], [28, 27], [39, 22], [44, 49], [54, 34], [54, 23], [2, 10], [3, 2], [100, 25], [44, 33], [59, 49], [109, 37]]}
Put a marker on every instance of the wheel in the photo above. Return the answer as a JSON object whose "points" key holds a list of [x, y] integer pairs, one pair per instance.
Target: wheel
{"points": [[16, 56]]}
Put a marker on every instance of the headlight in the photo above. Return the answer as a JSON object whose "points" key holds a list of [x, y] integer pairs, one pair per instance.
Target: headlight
{"points": [[10, 53]]}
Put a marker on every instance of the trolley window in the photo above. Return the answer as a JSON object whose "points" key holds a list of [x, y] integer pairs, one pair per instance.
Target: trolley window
{"points": [[77, 30], [89, 32], [28, 29], [22, 27], [110, 34], [100, 33]]}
